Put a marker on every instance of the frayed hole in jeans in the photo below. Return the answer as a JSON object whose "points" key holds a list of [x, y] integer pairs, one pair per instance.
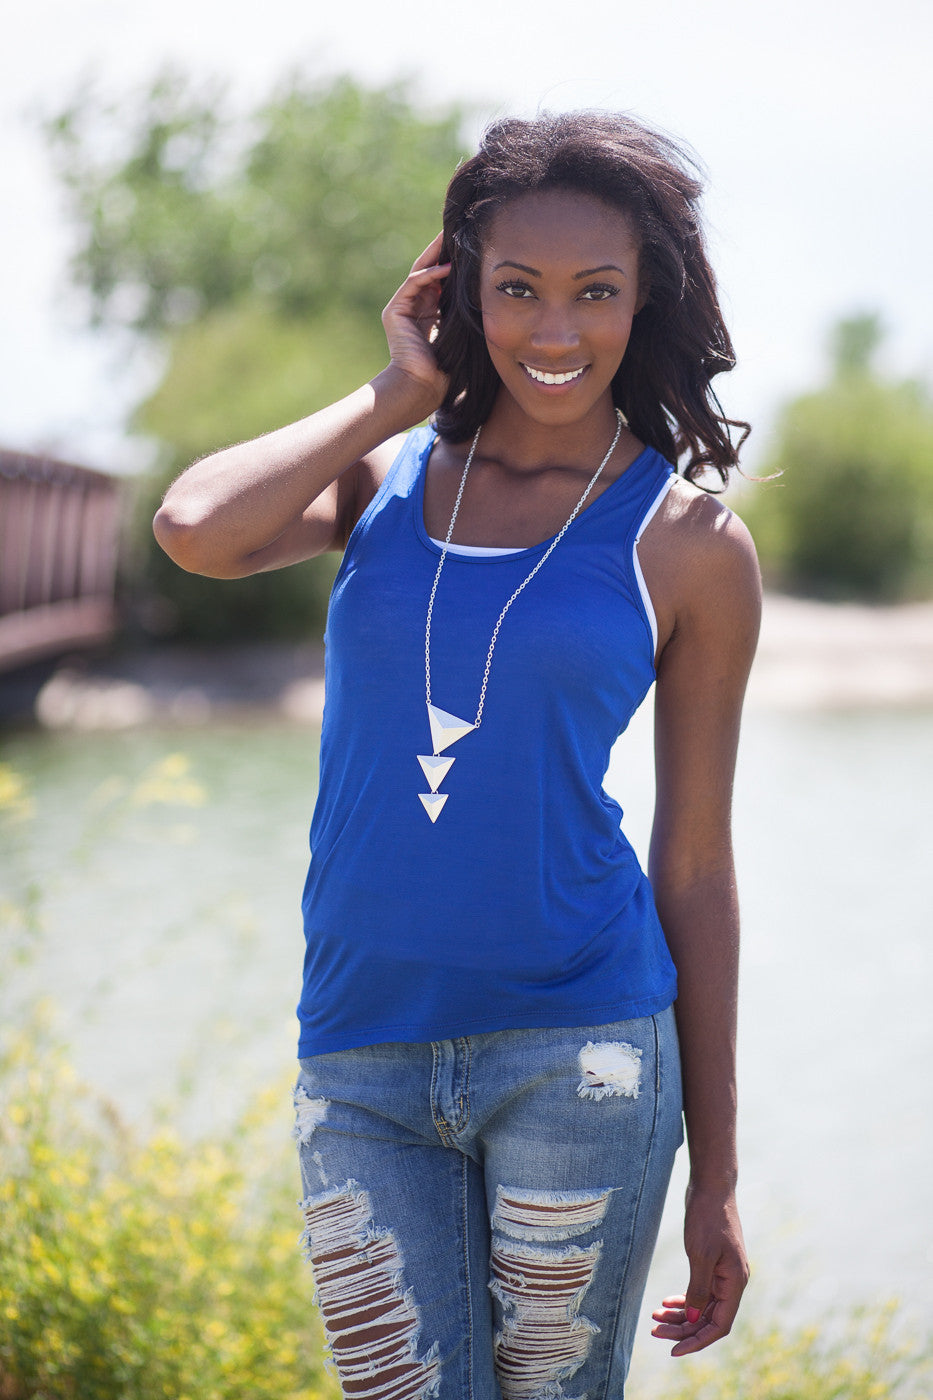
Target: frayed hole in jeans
{"points": [[371, 1324], [543, 1340], [547, 1215], [610, 1068], [309, 1114]]}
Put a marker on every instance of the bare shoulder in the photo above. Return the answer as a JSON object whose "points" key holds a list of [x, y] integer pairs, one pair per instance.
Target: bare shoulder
{"points": [[700, 564], [704, 533]]}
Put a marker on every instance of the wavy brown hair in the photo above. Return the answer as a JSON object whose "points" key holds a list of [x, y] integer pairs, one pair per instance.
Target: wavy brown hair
{"points": [[678, 341]]}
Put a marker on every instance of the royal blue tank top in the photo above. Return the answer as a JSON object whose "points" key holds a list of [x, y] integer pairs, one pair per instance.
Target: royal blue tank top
{"points": [[523, 904]]}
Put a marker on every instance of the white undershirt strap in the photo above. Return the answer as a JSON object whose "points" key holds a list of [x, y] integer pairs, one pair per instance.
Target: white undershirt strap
{"points": [[642, 586], [478, 551]]}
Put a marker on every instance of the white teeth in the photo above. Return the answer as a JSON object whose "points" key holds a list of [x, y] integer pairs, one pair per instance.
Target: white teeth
{"points": [[545, 377]]}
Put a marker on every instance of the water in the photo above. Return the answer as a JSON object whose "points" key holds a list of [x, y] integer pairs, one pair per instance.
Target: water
{"points": [[833, 818], [171, 943], [171, 947]]}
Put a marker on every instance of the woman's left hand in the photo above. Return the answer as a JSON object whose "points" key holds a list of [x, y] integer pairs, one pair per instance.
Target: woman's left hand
{"points": [[718, 1275]]}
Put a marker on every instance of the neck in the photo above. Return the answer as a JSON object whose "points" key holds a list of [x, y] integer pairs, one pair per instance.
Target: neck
{"points": [[521, 443]]}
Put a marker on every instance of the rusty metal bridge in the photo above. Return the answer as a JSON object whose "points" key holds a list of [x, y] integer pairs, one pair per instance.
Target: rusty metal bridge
{"points": [[59, 529]]}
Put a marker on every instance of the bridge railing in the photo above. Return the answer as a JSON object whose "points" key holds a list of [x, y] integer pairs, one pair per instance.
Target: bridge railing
{"points": [[59, 535]]}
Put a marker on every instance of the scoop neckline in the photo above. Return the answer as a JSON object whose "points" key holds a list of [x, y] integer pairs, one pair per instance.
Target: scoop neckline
{"points": [[437, 549]]}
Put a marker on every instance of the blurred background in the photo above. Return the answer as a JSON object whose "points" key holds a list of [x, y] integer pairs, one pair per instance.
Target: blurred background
{"points": [[205, 208]]}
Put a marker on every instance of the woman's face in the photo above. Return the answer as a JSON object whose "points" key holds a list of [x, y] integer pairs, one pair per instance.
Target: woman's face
{"points": [[559, 287]]}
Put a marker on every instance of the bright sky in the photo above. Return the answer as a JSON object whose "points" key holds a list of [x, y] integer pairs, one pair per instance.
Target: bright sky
{"points": [[813, 119]]}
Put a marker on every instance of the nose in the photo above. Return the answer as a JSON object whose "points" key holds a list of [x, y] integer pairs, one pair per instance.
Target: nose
{"points": [[555, 330]]}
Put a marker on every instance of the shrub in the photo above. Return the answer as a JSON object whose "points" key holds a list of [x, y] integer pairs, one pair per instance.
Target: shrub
{"points": [[866, 1362], [146, 1270], [851, 515]]}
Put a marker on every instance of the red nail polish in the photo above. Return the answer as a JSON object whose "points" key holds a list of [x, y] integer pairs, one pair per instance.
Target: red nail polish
{"points": [[692, 1314]]}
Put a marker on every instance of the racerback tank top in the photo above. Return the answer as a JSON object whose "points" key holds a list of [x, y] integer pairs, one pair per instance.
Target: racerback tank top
{"points": [[524, 904]]}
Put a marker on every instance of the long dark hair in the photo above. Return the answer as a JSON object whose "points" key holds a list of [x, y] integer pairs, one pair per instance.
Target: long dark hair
{"points": [[678, 341]]}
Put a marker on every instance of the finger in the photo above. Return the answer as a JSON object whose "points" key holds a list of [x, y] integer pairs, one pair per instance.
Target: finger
{"points": [[418, 298], [672, 1332], [424, 282], [425, 275], [672, 1315], [430, 255], [714, 1324], [671, 1310], [699, 1290], [674, 1324], [697, 1334], [707, 1333]]}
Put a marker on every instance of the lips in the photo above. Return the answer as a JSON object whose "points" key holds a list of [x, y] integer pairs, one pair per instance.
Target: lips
{"points": [[547, 376]]}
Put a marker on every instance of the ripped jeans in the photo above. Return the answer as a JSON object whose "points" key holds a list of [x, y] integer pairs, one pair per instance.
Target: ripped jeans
{"points": [[480, 1213]]}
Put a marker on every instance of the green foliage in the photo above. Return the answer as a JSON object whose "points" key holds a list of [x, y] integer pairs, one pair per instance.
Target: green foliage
{"points": [[853, 342], [243, 370], [257, 254], [144, 1270], [149, 187], [868, 1362], [21, 890], [345, 188], [322, 197], [851, 516], [234, 373]]}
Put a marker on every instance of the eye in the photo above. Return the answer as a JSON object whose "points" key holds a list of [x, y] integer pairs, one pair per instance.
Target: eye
{"points": [[600, 291], [516, 289]]}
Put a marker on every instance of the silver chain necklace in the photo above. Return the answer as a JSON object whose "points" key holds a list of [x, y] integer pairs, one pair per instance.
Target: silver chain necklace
{"points": [[446, 728]]}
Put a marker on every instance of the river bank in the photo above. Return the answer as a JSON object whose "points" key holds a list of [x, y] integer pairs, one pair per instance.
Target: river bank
{"points": [[812, 656]]}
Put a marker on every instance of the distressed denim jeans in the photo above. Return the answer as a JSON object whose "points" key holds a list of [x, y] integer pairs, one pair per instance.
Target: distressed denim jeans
{"points": [[480, 1213]]}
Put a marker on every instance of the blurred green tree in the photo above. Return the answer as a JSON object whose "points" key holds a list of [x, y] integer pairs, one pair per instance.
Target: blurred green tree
{"points": [[256, 254], [851, 515]]}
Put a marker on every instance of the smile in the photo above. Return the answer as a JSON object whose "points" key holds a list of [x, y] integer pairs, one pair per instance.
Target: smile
{"points": [[541, 376]]}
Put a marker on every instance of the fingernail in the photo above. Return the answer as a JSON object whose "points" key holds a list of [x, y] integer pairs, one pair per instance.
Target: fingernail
{"points": [[692, 1314]]}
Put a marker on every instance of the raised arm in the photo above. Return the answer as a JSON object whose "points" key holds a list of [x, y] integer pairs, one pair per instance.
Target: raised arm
{"points": [[702, 674], [297, 492]]}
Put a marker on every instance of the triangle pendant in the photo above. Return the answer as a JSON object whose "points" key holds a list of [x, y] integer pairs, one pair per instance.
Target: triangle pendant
{"points": [[446, 729], [435, 769], [433, 803]]}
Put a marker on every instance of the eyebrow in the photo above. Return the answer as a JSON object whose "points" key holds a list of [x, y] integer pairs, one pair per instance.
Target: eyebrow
{"points": [[535, 272], [605, 267]]}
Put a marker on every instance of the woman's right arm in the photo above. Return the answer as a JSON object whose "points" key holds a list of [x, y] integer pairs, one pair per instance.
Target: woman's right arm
{"points": [[298, 491]]}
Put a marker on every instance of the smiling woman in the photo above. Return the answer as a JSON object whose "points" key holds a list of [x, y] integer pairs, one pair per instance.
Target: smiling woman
{"points": [[547, 318], [493, 1063], [641, 203]]}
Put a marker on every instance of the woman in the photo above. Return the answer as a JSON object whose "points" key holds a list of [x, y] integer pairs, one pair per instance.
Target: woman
{"points": [[490, 1092]]}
